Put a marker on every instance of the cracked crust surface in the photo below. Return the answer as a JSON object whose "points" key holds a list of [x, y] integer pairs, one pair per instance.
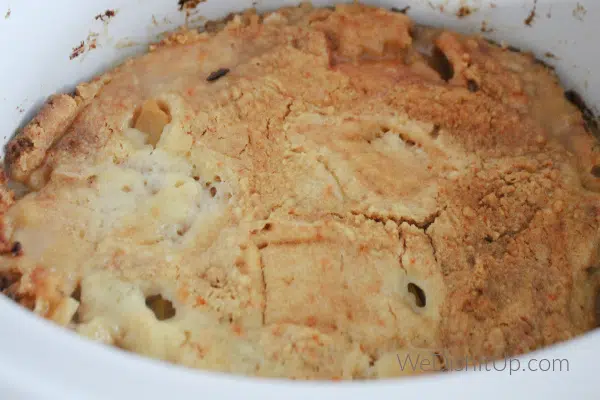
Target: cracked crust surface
{"points": [[329, 203]]}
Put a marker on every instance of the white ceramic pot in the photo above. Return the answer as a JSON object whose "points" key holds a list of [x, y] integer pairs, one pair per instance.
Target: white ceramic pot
{"points": [[37, 38]]}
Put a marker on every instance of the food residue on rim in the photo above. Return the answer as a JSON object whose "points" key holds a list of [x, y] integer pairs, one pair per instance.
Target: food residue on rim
{"points": [[550, 54], [589, 117], [188, 4], [7, 15], [90, 43], [401, 10], [106, 15], [77, 51], [579, 12], [434, 7], [164, 21], [529, 20], [485, 27], [126, 43], [464, 11]]}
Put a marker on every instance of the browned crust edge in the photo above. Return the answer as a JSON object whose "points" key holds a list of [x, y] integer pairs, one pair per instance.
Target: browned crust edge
{"points": [[27, 150]]}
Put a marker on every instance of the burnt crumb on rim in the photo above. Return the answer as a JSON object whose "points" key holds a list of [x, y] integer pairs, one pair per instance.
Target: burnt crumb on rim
{"points": [[106, 15], [77, 51], [188, 4], [529, 20], [515, 49], [400, 10], [591, 122], [485, 28], [544, 64], [464, 11], [503, 46], [221, 72]]}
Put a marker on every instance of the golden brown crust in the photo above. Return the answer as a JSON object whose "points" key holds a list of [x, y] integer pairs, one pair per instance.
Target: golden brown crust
{"points": [[7, 199], [309, 194], [26, 151]]}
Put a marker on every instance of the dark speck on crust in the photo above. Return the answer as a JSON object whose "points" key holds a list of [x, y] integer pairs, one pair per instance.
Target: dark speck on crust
{"points": [[17, 249], [529, 20], [472, 86], [221, 72], [8, 278]]}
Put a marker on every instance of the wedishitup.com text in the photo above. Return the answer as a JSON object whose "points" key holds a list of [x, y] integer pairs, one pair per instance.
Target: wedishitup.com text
{"points": [[438, 361]]}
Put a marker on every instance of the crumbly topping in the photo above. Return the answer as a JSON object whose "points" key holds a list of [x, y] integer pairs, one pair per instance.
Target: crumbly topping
{"points": [[311, 194]]}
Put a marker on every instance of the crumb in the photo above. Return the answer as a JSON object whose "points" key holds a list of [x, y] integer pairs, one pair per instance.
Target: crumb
{"points": [[529, 20], [188, 4], [7, 15], [108, 14], [401, 10], [126, 43], [92, 41], [464, 11], [484, 27], [579, 12], [77, 51]]}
